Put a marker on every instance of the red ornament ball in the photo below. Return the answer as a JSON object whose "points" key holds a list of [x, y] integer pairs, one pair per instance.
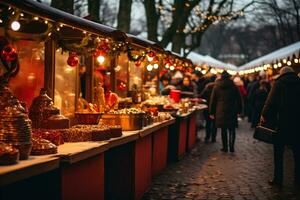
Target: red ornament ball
{"points": [[73, 60], [9, 53], [151, 53], [138, 63], [122, 86]]}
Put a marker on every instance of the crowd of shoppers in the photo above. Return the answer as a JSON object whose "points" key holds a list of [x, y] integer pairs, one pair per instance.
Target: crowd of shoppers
{"points": [[271, 102]]}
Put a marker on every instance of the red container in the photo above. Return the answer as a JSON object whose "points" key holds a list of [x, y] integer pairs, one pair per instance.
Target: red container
{"points": [[175, 95]]}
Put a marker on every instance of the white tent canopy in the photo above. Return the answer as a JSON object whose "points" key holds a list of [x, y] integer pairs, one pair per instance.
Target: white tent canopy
{"points": [[285, 52], [210, 61]]}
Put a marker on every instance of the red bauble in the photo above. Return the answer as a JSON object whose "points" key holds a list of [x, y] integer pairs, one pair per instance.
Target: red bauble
{"points": [[138, 63], [151, 53], [9, 53], [73, 60], [121, 86], [156, 59]]}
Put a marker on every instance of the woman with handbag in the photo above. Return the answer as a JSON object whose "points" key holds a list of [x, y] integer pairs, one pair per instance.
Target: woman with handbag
{"points": [[281, 112]]}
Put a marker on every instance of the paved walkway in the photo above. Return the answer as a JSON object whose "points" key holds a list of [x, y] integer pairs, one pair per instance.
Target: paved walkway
{"points": [[207, 173]]}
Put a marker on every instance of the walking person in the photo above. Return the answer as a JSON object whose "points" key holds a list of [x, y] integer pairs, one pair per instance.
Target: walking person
{"points": [[224, 107], [281, 111], [210, 128], [259, 97]]}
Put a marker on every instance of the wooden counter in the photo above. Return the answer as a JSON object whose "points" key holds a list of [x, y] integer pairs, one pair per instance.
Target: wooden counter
{"points": [[35, 165]]}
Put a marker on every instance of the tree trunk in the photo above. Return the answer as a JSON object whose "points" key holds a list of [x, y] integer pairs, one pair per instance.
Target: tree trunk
{"points": [[124, 15], [152, 18], [66, 5], [94, 10]]}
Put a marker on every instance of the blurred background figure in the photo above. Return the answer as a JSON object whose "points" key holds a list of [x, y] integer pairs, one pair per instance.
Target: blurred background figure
{"points": [[187, 88]]}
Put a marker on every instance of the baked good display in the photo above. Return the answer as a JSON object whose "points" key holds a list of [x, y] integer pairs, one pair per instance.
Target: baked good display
{"points": [[100, 133], [16, 130], [57, 122], [53, 136], [41, 146], [8, 154], [115, 131], [74, 134]]}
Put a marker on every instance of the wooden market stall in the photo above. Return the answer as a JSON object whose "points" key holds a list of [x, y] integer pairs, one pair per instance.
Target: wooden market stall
{"points": [[74, 59]]}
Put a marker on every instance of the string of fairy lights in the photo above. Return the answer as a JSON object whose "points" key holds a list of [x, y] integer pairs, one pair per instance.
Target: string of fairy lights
{"points": [[93, 43]]}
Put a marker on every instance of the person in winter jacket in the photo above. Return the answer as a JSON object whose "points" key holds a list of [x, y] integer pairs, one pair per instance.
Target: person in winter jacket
{"points": [[210, 128], [281, 111], [225, 104], [260, 96]]}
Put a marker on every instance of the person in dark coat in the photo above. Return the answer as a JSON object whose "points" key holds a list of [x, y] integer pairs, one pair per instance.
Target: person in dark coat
{"points": [[281, 111], [210, 128], [259, 97], [225, 104]]}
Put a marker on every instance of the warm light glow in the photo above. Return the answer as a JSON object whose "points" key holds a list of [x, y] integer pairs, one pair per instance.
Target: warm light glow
{"points": [[150, 59], [296, 60], [279, 65], [213, 71], [155, 66], [275, 66], [203, 71], [15, 25], [149, 67], [167, 66], [101, 59], [284, 61], [289, 63], [36, 18], [172, 67], [46, 21], [117, 68]]}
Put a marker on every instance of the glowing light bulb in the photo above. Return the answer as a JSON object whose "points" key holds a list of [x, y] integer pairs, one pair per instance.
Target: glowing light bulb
{"points": [[155, 66], [101, 59], [172, 67], [284, 61], [289, 63], [296, 60], [15, 25], [150, 59], [149, 67], [279, 65], [167, 66]]}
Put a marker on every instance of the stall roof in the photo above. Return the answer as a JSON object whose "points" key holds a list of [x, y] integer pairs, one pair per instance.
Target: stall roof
{"points": [[144, 42], [285, 52], [45, 11], [208, 60]]}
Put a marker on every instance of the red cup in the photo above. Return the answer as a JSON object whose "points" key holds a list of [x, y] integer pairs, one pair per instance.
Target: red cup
{"points": [[175, 95]]}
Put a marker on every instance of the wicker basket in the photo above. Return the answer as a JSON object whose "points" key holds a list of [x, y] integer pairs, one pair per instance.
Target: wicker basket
{"points": [[88, 118]]}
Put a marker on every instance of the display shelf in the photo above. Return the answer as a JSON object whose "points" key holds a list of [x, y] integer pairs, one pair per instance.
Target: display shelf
{"points": [[154, 127], [74, 152]]}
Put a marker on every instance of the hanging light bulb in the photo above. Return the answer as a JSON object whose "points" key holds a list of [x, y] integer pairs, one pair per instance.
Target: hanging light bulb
{"points": [[15, 25], [279, 64], [149, 67], [172, 67], [101, 59], [167, 66], [275, 66], [284, 61], [155, 66], [289, 63], [296, 60], [150, 59]]}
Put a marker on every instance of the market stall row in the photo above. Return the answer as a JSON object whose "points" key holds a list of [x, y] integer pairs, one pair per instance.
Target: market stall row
{"points": [[81, 117]]}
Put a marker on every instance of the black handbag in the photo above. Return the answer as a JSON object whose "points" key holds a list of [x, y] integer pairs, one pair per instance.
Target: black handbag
{"points": [[264, 134]]}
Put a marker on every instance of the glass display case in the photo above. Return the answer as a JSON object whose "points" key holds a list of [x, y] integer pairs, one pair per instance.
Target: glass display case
{"points": [[30, 79]]}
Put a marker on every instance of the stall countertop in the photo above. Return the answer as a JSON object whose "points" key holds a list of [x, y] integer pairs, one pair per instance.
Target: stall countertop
{"points": [[74, 152], [70, 153], [35, 165], [156, 126]]}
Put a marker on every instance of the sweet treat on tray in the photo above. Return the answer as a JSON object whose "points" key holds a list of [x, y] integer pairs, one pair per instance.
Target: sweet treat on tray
{"points": [[76, 134], [15, 129], [42, 147], [127, 111], [101, 133], [115, 131], [8, 154], [57, 122], [53, 136]]}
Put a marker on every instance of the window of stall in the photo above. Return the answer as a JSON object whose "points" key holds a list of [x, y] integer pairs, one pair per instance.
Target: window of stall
{"points": [[122, 75], [65, 84], [30, 78]]}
